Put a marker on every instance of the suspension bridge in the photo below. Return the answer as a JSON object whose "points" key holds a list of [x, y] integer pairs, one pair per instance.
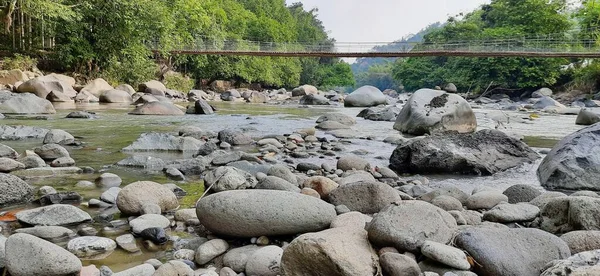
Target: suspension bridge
{"points": [[542, 46]]}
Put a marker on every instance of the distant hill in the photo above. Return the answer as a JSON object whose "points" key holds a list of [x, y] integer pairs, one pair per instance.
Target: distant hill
{"points": [[363, 64]]}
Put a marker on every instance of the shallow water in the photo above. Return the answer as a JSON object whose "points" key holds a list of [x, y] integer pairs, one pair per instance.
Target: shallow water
{"points": [[104, 137]]}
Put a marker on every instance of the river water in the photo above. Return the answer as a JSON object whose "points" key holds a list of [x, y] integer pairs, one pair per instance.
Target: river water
{"points": [[104, 137]]}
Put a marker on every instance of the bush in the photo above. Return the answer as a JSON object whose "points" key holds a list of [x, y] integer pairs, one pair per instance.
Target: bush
{"points": [[23, 63], [179, 82], [131, 71]]}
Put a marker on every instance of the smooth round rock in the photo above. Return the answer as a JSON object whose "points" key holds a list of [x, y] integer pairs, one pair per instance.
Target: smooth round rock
{"points": [[54, 215], [237, 258], [107, 180], [521, 193], [144, 222], [134, 196], [395, 264], [127, 242], [485, 200], [445, 254], [27, 255], [253, 213], [210, 250], [580, 241], [174, 268], [265, 261], [91, 247]]}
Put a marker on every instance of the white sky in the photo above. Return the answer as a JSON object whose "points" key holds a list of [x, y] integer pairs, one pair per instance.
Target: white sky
{"points": [[383, 20]]}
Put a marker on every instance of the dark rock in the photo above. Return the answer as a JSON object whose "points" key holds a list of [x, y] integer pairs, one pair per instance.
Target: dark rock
{"points": [[60, 198], [521, 193], [587, 118], [156, 235]]}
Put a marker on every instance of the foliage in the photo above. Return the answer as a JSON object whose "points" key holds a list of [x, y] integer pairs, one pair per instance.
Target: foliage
{"points": [[21, 62], [500, 19], [179, 82], [380, 76]]}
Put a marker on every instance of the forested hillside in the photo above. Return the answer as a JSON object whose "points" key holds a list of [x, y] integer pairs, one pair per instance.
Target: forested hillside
{"points": [[110, 38], [507, 19]]}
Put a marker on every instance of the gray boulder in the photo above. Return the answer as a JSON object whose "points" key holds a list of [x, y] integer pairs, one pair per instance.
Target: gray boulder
{"points": [[237, 258], [364, 197], [380, 114], [202, 107], [2, 252], [97, 87], [174, 268], [50, 152], [253, 213], [394, 264], [542, 92], [333, 252], [8, 152], [430, 111], [133, 197], [365, 96], [587, 118], [228, 178], [49, 233], [115, 96], [149, 221], [234, 137], [42, 86], [54, 215], [164, 142], [337, 117], [314, 100], [407, 224], [12, 103], [265, 261], [8, 165], [546, 102], [521, 193], [582, 264], [21, 132], [158, 108], [91, 247], [565, 214], [511, 251], [304, 90], [507, 213], [210, 250], [140, 270], [580, 241], [485, 152], [58, 136], [574, 163], [27, 255], [14, 190], [276, 183], [351, 162]]}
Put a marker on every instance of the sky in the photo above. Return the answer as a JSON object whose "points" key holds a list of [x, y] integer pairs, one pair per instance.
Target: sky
{"points": [[383, 20]]}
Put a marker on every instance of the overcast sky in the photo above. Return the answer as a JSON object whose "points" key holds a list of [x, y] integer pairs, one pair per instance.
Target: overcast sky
{"points": [[383, 20]]}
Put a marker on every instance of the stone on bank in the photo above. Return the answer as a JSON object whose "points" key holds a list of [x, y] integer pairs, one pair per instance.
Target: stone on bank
{"points": [[27, 255]]}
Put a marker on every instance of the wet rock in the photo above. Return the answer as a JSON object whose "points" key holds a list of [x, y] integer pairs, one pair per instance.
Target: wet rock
{"points": [[485, 200], [158, 108], [584, 263], [107, 180], [8, 165], [587, 118], [210, 250], [127, 242], [483, 153], [28, 255], [13, 133], [184, 254], [364, 197], [265, 261], [62, 162], [140, 270], [380, 114], [194, 166], [511, 251], [80, 115], [110, 195], [521, 193], [225, 158], [143, 222], [115, 96], [580, 241], [237, 258], [276, 183], [228, 178], [507, 213], [337, 251], [58, 136], [574, 163], [85, 185], [91, 247], [174, 268], [446, 255], [253, 213], [54, 215], [365, 96], [394, 264], [407, 224], [546, 102], [61, 198], [337, 117], [12, 103], [174, 174], [49, 233], [234, 137], [331, 125], [33, 161], [314, 100], [164, 142], [431, 111], [157, 235], [132, 197], [50, 152]]}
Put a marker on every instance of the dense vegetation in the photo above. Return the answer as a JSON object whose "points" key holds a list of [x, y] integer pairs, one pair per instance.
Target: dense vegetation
{"points": [[111, 38], [505, 19]]}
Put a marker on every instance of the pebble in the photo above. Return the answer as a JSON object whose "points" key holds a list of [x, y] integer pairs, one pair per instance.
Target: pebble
{"points": [[445, 254]]}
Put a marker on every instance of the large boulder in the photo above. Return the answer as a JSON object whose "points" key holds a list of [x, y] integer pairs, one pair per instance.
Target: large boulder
{"points": [[482, 153], [158, 108], [253, 213], [364, 197], [314, 100], [21, 132], [42, 86], [202, 107], [228, 178], [26, 103], [304, 90], [337, 117], [133, 197], [27, 255], [574, 163], [54, 215], [503, 251], [11, 77], [587, 118], [14, 190], [58, 136], [430, 111], [96, 87], [115, 96], [153, 84], [582, 264], [365, 96], [565, 214], [580, 241], [234, 137], [86, 97], [547, 103], [389, 113], [342, 251], [407, 225], [164, 142]]}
